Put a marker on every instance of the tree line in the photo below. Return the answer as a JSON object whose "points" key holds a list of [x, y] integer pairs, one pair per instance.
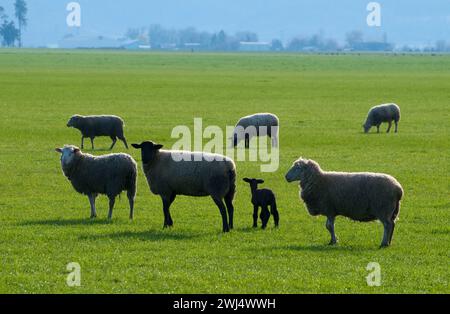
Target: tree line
{"points": [[9, 33], [159, 37]]}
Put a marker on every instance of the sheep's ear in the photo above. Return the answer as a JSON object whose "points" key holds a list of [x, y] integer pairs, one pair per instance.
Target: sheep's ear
{"points": [[246, 180], [76, 150], [158, 146], [259, 181], [137, 146], [58, 150]]}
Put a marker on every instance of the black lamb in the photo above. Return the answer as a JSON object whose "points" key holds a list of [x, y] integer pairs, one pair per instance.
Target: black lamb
{"points": [[263, 198]]}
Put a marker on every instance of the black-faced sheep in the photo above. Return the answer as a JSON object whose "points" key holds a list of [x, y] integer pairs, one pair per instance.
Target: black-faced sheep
{"points": [[262, 198], [359, 196], [91, 175], [172, 173], [259, 124], [92, 126], [382, 113]]}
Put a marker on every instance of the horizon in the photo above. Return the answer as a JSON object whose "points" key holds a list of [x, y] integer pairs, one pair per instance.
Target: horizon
{"points": [[405, 22]]}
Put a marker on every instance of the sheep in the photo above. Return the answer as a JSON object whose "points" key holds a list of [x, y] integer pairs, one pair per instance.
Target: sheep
{"points": [[92, 175], [92, 126], [262, 198], [195, 174], [382, 113], [259, 124], [360, 196]]}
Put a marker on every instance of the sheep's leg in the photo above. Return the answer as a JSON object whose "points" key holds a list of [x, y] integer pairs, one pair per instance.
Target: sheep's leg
{"points": [[112, 200], [389, 127], [255, 216], [388, 228], [223, 213], [92, 143], [92, 202], [82, 142], [265, 215], [167, 201], [124, 140], [275, 214], [396, 126], [130, 195], [378, 128], [330, 227], [114, 139], [392, 232], [230, 208]]}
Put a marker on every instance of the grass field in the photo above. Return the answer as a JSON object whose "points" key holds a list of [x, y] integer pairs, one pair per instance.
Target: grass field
{"points": [[321, 101]]}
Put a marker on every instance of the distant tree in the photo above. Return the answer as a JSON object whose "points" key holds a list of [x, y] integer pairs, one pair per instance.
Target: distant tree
{"points": [[132, 33], [188, 35], [246, 36], [354, 37], [219, 41], [441, 45], [277, 45], [3, 15], [21, 10], [330, 45], [9, 33]]}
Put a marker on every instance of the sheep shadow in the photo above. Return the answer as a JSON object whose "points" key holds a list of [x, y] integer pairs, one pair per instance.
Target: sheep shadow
{"points": [[66, 222], [325, 248], [149, 235], [254, 230]]}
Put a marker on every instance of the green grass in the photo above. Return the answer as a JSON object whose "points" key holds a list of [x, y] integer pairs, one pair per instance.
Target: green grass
{"points": [[321, 101]]}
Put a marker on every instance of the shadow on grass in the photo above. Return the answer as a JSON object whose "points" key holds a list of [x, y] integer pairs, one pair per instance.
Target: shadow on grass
{"points": [[326, 248], [253, 230], [66, 222], [150, 235]]}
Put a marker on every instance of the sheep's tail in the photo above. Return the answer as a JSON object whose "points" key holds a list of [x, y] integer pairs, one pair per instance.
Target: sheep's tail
{"points": [[232, 182], [132, 182], [396, 211]]}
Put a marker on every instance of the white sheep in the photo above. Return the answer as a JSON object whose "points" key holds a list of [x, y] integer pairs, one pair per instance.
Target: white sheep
{"points": [[92, 175], [361, 196], [259, 124], [382, 113]]}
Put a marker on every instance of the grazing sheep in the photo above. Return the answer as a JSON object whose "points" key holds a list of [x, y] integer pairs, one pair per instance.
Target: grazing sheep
{"points": [[259, 124], [262, 198], [382, 113], [359, 196], [197, 174], [91, 175], [92, 126]]}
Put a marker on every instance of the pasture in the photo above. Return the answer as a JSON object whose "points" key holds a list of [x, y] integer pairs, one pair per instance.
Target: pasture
{"points": [[321, 100]]}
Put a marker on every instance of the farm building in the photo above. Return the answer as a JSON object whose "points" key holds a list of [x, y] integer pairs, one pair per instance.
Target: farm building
{"points": [[254, 46]]}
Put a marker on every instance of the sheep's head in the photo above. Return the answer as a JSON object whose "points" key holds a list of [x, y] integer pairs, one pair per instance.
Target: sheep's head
{"points": [[301, 168], [148, 150], [253, 182], [73, 121], [366, 126], [68, 153]]}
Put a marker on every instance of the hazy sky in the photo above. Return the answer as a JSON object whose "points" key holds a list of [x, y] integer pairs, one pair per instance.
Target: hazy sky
{"points": [[405, 21]]}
